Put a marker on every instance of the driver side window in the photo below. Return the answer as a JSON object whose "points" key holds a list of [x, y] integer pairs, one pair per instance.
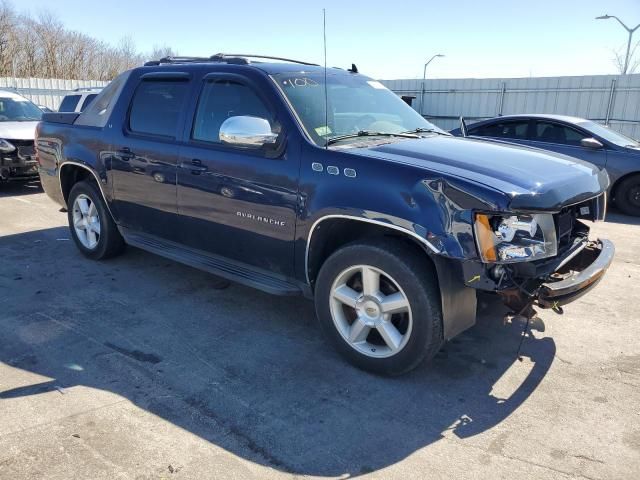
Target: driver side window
{"points": [[220, 100]]}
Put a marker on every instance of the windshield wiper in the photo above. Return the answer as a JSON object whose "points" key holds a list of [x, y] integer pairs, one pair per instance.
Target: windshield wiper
{"points": [[367, 133], [427, 130]]}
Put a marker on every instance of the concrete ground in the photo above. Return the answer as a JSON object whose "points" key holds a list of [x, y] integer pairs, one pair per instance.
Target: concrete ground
{"points": [[139, 367]]}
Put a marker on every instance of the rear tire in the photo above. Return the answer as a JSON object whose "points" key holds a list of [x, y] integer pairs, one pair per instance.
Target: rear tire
{"points": [[379, 305], [628, 196], [92, 228]]}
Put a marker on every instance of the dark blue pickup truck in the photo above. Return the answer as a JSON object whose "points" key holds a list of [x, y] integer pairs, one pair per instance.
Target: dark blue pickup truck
{"points": [[295, 179]]}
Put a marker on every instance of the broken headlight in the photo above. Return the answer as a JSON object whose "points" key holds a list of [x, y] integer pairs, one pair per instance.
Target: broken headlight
{"points": [[515, 238], [6, 147]]}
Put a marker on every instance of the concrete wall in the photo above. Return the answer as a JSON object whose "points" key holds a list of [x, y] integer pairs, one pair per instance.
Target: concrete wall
{"points": [[611, 99]]}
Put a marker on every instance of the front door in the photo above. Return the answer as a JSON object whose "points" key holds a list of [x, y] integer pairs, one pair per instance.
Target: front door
{"points": [[237, 202], [145, 156], [563, 139]]}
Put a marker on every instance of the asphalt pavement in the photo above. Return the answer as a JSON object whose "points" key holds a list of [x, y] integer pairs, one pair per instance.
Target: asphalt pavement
{"points": [[139, 367]]}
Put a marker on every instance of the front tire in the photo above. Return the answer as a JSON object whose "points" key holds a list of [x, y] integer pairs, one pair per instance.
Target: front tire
{"points": [[379, 304], [92, 228], [628, 196]]}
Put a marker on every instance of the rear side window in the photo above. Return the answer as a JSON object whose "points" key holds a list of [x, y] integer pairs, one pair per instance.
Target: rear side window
{"points": [[556, 133], [221, 99], [156, 107], [516, 130], [87, 100], [69, 103]]}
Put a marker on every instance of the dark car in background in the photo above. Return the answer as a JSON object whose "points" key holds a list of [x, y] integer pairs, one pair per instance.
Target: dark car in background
{"points": [[579, 138]]}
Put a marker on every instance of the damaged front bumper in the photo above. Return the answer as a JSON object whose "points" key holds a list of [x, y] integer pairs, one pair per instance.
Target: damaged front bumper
{"points": [[20, 164], [577, 276], [548, 284]]}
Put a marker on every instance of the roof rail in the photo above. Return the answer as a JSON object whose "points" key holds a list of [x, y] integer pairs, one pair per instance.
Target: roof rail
{"points": [[154, 63], [238, 59], [223, 56]]}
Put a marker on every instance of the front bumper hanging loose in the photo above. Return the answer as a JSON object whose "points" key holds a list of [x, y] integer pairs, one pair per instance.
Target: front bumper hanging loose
{"points": [[578, 276]]}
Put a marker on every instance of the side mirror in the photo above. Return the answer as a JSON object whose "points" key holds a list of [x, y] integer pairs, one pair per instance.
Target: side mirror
{"points": [[245, 131], [591, 143]]}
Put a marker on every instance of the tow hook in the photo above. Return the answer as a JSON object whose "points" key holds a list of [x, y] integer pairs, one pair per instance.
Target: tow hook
{"points": [[557, 308], [4, 174]]}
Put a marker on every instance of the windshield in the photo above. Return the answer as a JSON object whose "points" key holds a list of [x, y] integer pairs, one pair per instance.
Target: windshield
{"points": [[609, 135], [18, 110], [356, 104]]}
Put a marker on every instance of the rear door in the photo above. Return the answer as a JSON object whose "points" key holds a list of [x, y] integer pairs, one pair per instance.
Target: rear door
{"points": [[145, 154], [236, 202], [561, 138]]}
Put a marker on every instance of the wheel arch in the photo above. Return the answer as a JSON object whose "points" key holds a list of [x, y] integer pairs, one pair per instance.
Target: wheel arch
{"points": [[71, 172], [616, 184], [331, 232]]}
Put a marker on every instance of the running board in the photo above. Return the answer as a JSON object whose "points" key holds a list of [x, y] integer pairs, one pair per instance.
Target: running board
{"points": [[217, 265]]}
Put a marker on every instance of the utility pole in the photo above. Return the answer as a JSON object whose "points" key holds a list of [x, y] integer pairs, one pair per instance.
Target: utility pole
{"points": [[424, 76]]}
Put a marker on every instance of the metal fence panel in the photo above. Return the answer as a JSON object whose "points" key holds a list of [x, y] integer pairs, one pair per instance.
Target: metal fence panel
{"points": [[611, 99], [46, 91], [608, 99]]}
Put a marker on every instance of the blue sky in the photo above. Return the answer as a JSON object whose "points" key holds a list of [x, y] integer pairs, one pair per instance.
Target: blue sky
{"points": [[386, 40]]}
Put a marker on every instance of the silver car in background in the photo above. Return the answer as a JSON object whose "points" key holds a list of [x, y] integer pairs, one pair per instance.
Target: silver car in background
{"points": [[576, 137]]}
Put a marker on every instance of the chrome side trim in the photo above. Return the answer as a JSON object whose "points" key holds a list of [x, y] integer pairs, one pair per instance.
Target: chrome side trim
{"points": [[424, 241], [95, 175]]}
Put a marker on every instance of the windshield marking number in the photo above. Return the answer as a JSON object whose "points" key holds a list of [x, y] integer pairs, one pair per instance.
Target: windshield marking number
{"points": [[300, 82]]}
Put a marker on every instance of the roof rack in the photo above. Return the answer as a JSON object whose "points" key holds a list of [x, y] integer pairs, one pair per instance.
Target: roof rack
{"points": [[231, 58], [224, 56], [165, 60], [87, 89]]}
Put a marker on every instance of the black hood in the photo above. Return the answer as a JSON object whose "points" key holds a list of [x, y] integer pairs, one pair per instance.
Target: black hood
{"points": [[534, 179]]}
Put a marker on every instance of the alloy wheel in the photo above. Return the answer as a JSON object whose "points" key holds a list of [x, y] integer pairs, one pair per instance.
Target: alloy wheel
{"points": [[86, 221], [371, 311]]}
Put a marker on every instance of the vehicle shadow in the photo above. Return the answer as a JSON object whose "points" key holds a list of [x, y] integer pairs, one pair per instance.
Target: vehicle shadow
{"points": [[18, 188], [245, 370], [615, 216]]}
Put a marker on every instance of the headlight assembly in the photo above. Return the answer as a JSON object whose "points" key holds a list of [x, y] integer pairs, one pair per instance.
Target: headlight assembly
{"points": [[6, 147], [515, 238]]}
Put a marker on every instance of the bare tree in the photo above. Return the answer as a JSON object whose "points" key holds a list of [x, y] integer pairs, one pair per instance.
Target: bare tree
{"points": [[161, 51], [40, 46], [619, 57], [7, 26]]}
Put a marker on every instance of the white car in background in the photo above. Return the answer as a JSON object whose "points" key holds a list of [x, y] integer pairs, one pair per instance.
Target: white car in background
{"points": [[18, 120], [79, 99]]}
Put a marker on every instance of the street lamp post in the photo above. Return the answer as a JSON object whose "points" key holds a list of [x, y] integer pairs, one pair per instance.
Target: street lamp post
{"points": [[424, 76], [630, 30]]}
